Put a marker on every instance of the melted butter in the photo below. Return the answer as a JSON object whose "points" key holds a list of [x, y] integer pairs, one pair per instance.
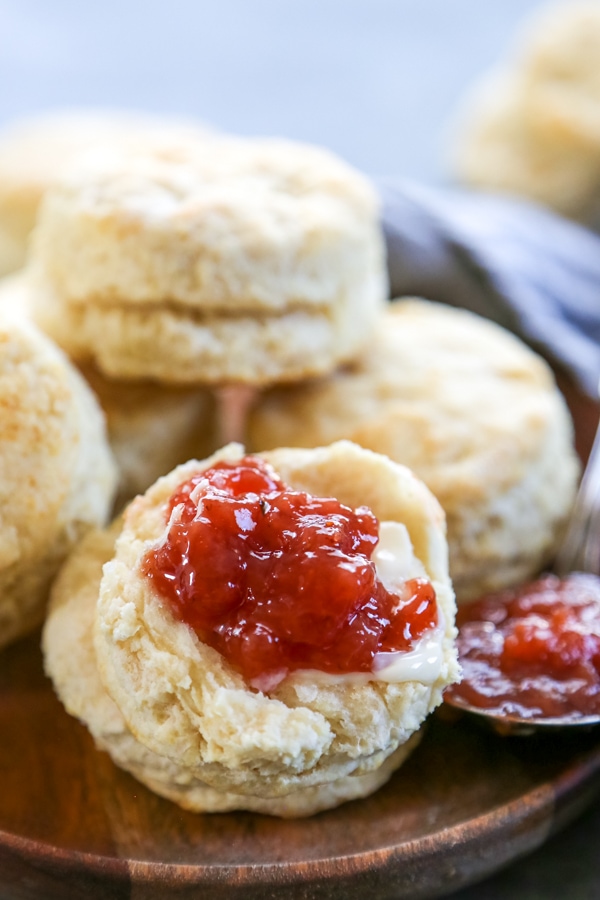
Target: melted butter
{"points": [[395, 558]]}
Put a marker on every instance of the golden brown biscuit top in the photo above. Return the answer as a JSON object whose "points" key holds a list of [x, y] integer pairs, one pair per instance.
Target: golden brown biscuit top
{"points": [[255, 225]]}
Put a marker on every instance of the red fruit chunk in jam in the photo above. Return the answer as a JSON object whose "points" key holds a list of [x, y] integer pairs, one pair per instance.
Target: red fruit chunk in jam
{"points": [[278, 580], [533, 651]]}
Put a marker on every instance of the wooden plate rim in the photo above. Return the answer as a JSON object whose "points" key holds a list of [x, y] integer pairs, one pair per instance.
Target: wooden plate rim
{"points": [[539, 805]]}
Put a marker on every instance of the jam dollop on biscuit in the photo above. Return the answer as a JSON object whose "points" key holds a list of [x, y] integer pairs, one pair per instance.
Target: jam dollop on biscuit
{"points": [[278, 580]]}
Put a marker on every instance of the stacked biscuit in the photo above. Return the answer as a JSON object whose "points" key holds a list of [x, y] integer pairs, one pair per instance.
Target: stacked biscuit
{"points": [[230, 261], [532, 128], [201, 262], [176, 273]]}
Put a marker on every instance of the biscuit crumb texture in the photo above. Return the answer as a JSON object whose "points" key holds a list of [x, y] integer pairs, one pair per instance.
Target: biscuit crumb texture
{"points": [[472, 411], [247, 260], [304, 747], [57, 475]]}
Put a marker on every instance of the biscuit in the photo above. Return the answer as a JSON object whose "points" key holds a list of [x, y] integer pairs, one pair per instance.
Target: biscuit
{"points": [[70, 662], [500, 149], [531, 128], [472, 411], [57, 475], [35, 150], [560, 75], [184, 701], [251, 261]]}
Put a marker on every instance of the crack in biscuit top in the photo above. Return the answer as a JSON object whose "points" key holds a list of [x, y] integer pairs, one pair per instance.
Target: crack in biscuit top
{"points": [[278, 580]]}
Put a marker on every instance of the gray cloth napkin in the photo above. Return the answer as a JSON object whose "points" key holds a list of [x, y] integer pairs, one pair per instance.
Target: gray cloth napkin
{"points": [[524, 267]]}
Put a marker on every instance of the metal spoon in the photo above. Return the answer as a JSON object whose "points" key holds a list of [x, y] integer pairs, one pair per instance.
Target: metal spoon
{"points": [[579, 552], [522, 726]]}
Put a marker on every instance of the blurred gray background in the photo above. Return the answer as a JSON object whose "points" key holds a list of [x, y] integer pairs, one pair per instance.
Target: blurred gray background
{"points": [[378, 81]]}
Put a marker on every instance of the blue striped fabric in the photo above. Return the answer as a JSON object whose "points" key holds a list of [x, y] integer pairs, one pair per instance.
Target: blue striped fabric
{"points": [[518, 264]]}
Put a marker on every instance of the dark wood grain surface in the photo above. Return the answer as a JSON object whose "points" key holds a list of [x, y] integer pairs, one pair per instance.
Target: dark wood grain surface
{"points": [[465, 804]]}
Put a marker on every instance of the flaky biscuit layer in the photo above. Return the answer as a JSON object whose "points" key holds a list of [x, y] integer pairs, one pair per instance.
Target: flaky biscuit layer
{"points": [[182, 700], [238, 225], [176, 346]]}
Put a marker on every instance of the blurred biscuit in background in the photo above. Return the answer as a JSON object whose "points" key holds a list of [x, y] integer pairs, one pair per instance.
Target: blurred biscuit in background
{"points": [[472, 411], [532, 128]]}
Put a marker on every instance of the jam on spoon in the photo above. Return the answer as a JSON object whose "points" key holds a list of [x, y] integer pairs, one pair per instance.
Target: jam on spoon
{"points": [[278, 580], [531, 655]]}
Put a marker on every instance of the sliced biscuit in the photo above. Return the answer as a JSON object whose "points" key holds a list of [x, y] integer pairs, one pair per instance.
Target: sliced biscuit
{"points": [[182, 700]]}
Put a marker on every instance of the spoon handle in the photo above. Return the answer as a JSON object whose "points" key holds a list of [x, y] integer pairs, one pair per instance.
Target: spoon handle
{"points": [[580, 547]]}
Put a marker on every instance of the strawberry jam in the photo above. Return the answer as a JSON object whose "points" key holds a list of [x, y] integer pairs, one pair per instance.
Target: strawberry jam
{"points": [[533, 651], [277, 580]]}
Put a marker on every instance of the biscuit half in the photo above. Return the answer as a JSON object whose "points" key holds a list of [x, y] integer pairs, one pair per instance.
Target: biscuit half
{"points": [[472, 411], [183, 701]]}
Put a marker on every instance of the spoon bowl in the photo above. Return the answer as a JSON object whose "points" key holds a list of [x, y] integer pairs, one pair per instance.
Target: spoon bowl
{"points": [[530, 656], [513, 725]]}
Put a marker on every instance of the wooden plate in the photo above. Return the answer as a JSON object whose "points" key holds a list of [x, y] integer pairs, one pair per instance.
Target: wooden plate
{"points": [[73, 826], [466, 803]]}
